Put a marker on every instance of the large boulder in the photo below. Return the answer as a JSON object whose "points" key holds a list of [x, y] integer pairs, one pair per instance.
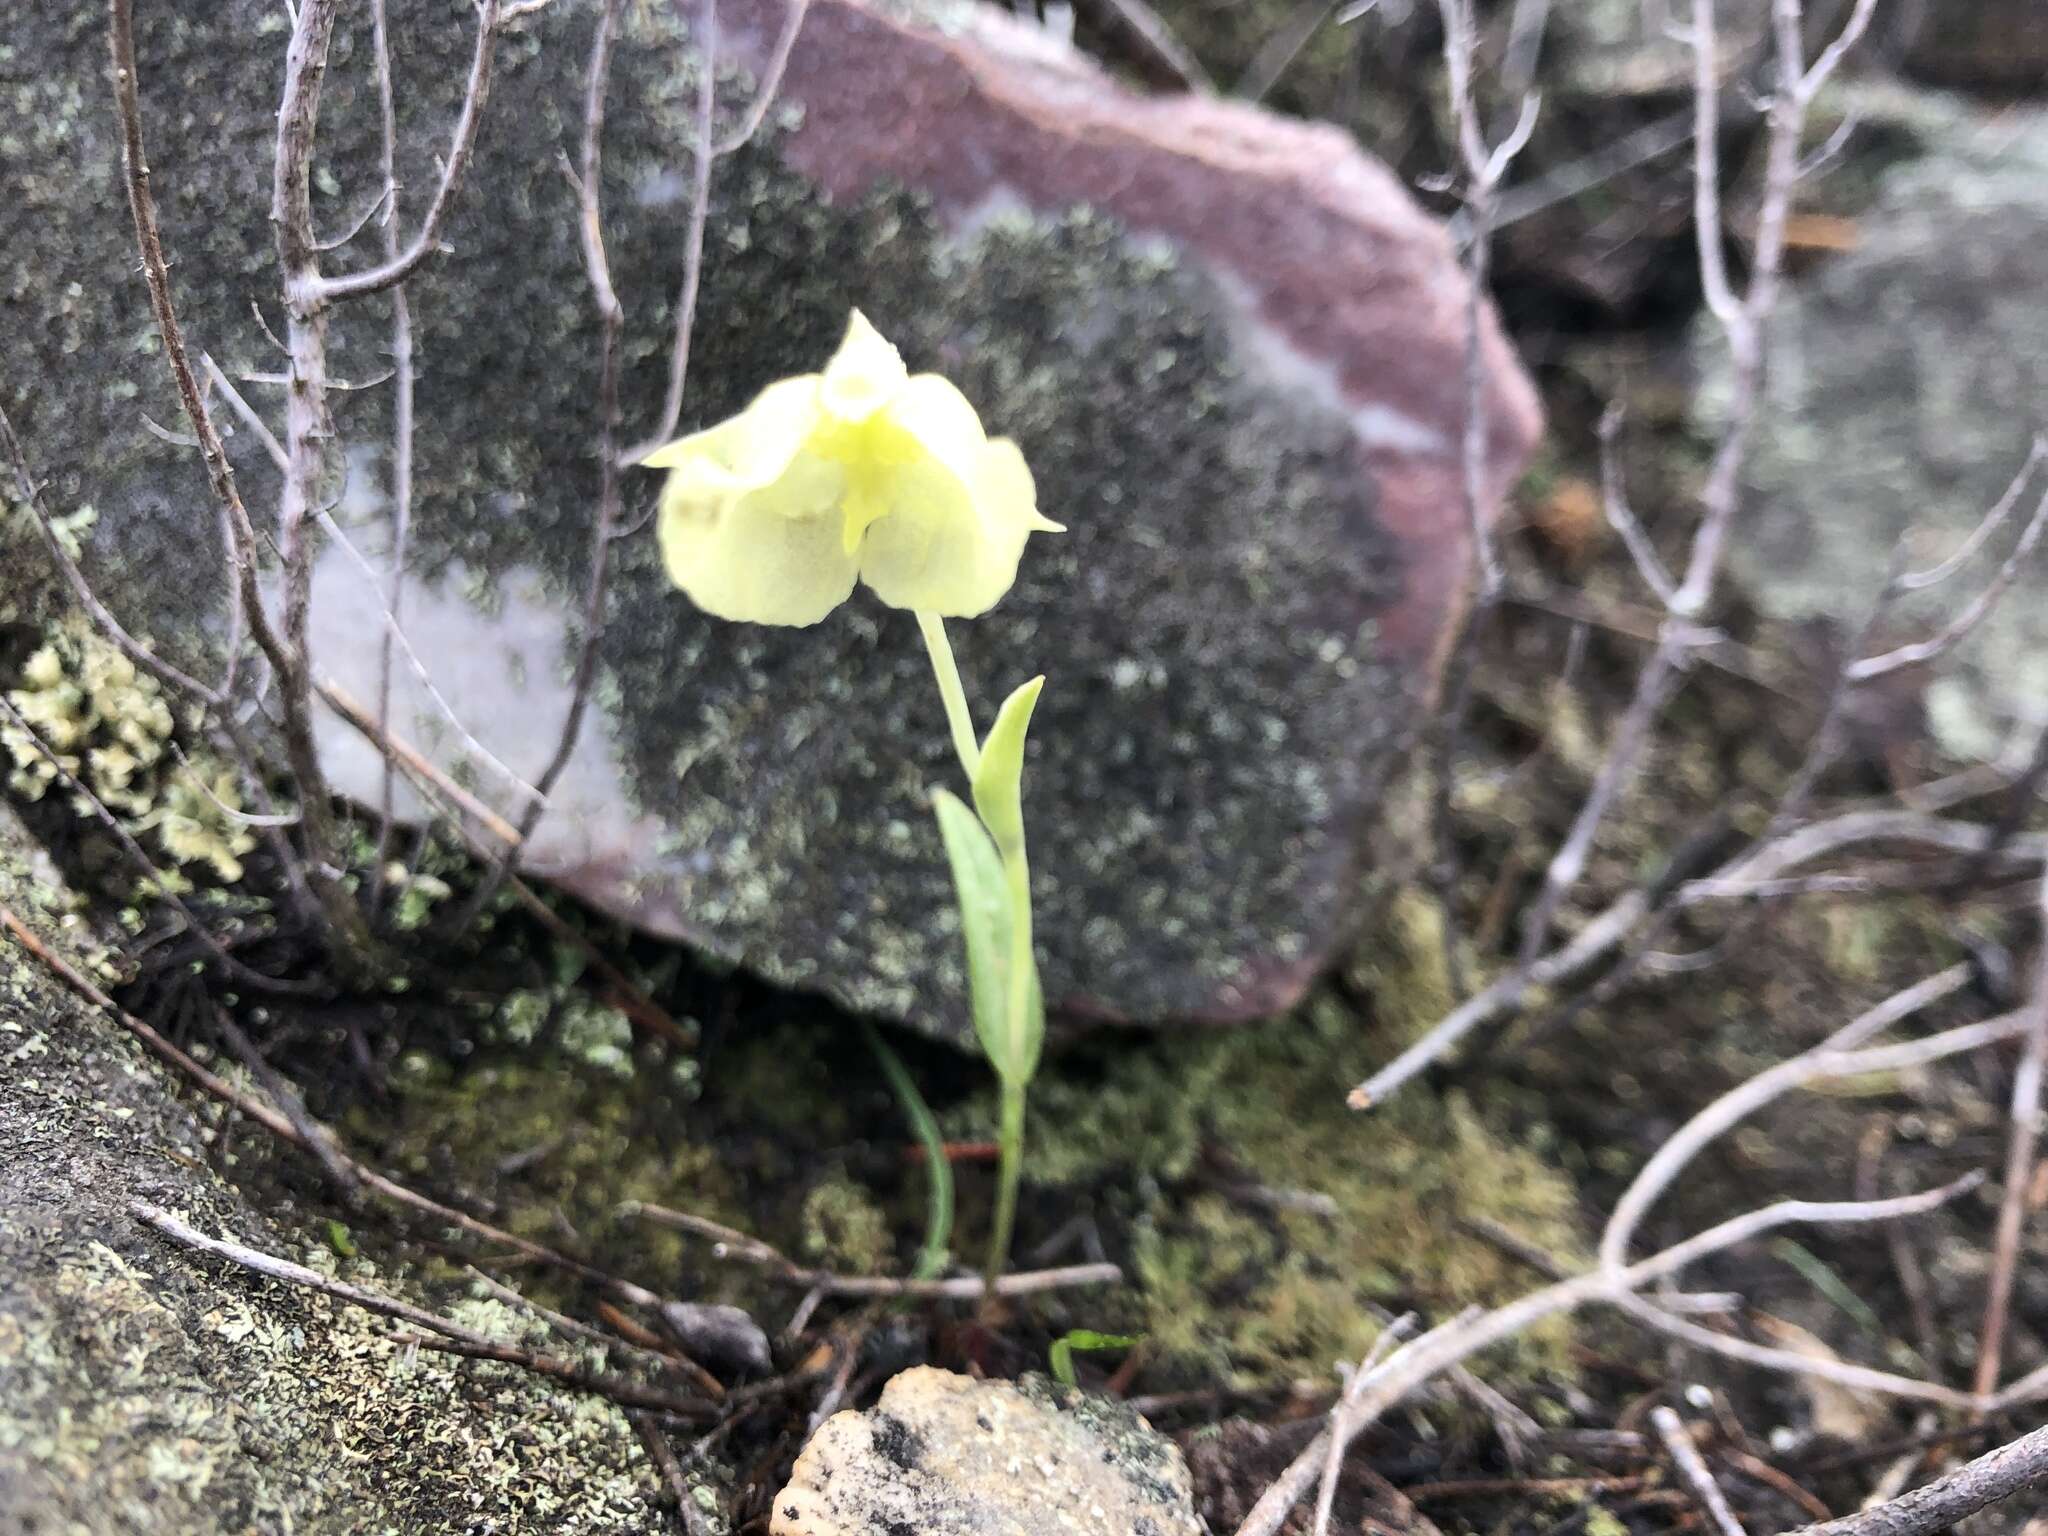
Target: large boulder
{"points": [[1905, 383], [1230, 345], [148, 1391]]}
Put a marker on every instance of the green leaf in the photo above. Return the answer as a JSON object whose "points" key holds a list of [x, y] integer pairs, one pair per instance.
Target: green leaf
{"points": [[1029, 1038], [1086, 1340], [984, 923], [999, 777]]}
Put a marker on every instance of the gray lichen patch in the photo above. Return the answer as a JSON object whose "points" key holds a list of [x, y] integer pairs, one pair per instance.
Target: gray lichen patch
{"points": [[145, 1390], [1904, 388]]}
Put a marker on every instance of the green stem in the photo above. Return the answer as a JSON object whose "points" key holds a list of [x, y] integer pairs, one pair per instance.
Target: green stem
{"points": [[1017, 876], [1010, 1140], [938, 1221], [965, 742]]}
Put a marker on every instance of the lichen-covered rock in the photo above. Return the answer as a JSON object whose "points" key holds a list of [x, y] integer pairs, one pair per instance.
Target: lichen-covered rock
{"points": [[945, 1455], [1997, 46], [1905, 383], [144, 1390], [1230, 346]]}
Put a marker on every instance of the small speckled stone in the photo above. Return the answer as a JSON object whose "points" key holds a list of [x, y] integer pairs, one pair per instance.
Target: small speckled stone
{"points": [[945, 1455]]}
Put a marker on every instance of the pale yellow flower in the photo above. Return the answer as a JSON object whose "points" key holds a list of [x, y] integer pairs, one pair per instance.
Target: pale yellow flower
{"points": [[863, 472]]}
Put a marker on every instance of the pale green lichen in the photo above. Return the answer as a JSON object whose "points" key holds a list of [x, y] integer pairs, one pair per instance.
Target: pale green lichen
{"points": [[91, 715]]}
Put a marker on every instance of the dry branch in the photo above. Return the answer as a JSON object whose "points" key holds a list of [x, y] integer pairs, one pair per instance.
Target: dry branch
{"points": [[344, 920], [1992, 1477], [442, 1333], [734, 1244], [1451, 1343], [2024, 1140], [1693, 1468]]}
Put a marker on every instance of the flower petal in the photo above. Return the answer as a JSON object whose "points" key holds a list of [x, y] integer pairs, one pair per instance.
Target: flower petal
{"points": [[864, 374], [931, 417], [751, 449], [951, 543], [770, 555]]}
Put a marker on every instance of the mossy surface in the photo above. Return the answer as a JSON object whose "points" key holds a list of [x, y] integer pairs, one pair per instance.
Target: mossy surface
{"points": [[1267, 1222], [1259, 1221]]}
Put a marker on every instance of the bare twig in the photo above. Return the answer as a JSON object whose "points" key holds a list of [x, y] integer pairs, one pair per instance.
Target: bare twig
{"points": [[766, 88], [673, 1364], [1974, 613], [395, 269], [1622, 518], [1693, 1467], [1990, 523], [1483, 167], [1989, 1479], [2023, 1139], [701, 160], [1279, 51], [1737, 880], [1742, 322], [458, 803], [734, 1244], [401, 434], [611, 321], [280, 1126], [250, 418], [1416, 1362], [313, 1136], [402, 754], [31, 495], [655, 1439], [1823, 1061], [337, 906], [1389, 1336], [620, 1389], [1151, 42], [442, 1333], [392, 629]]}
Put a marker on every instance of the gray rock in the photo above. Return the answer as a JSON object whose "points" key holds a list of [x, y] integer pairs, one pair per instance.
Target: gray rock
{"points": [[946, 1455], [1906, 380], [144, 1390], [1230, 346], [1995, 46]]}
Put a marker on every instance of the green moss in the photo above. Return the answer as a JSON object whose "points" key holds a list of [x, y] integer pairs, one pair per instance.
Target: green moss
{"points": [[1206, 1146], [845, 1229]]}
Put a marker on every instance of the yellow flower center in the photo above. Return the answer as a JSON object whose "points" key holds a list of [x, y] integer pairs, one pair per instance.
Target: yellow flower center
{"points": [[869, 452]]}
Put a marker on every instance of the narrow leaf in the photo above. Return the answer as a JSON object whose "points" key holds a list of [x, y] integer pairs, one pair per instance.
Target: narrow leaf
{"points": [[999, 777], [984, 924], [1086, 1340]]}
